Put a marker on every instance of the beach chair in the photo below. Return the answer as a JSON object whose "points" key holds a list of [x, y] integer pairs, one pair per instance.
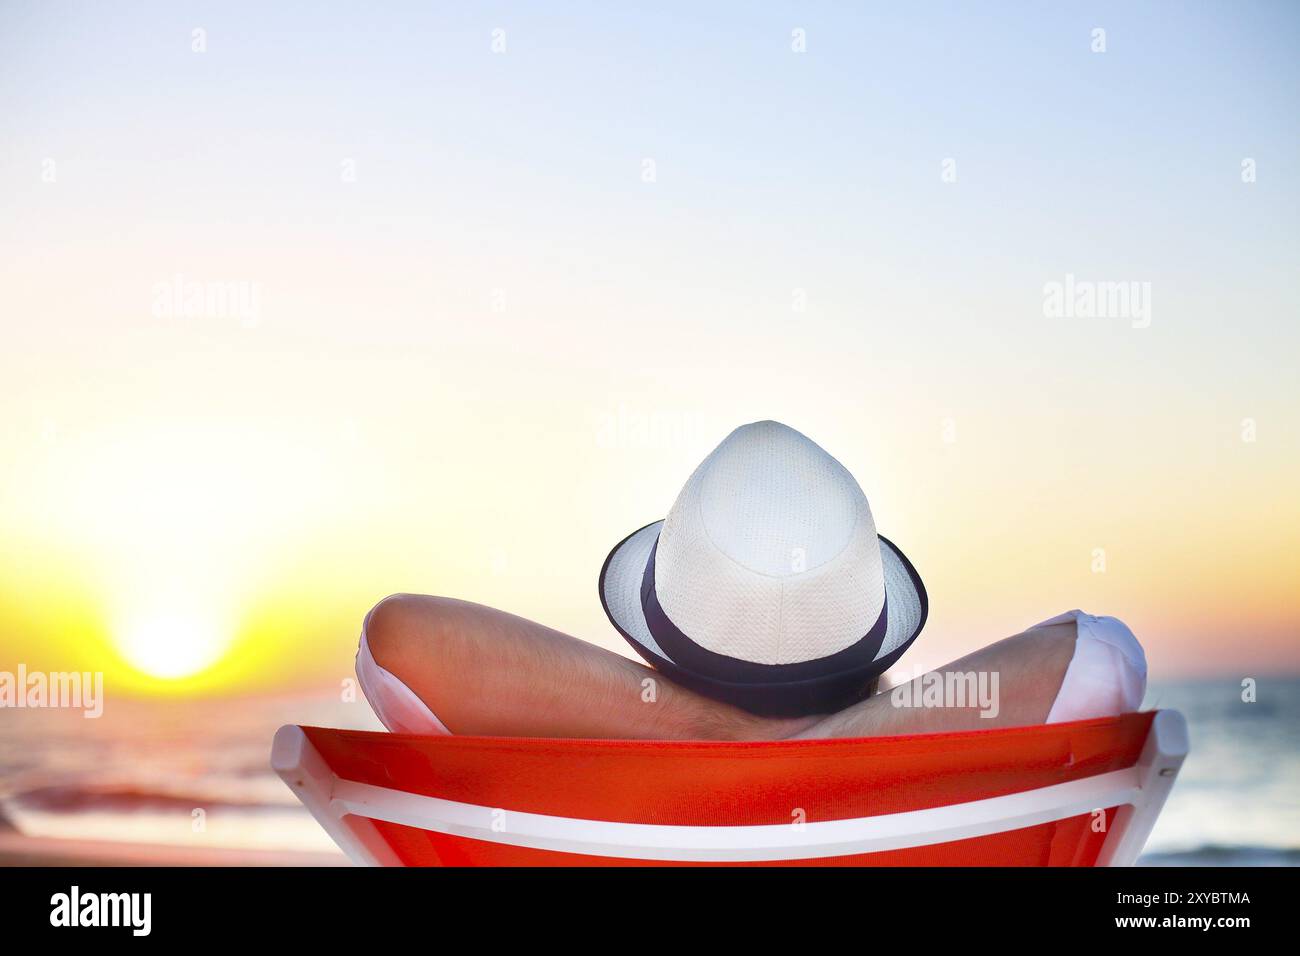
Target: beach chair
{"points": [[1076, 794]]}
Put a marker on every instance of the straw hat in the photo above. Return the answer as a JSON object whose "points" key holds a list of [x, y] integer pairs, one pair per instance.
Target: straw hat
{"points": [[767, 584]]}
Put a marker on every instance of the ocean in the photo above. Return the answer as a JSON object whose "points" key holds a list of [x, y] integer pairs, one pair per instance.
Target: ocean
{"points": [[1237, 799], [196, 773]]}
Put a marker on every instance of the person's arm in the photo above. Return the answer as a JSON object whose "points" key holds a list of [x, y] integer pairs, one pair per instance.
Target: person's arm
{"points": [[483, 671], [1010, 683]]}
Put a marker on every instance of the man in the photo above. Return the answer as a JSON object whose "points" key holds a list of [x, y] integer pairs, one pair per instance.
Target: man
{"points": [[768, 607]]}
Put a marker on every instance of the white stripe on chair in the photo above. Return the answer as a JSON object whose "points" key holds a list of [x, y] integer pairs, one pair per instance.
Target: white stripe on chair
{"points": [[782, 841]]}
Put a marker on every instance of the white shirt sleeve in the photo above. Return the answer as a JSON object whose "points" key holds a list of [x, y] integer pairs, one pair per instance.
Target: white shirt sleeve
{"points": [[396, 705], [1107, 674]]}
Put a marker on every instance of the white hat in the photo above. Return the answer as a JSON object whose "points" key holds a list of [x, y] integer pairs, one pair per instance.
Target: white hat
{"points": [[767, 584]]}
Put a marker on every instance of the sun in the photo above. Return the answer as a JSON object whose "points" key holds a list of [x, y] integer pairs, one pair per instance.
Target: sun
{"points": [[171, 643]]}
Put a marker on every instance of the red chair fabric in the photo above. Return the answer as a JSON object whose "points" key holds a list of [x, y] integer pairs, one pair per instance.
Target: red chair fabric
{"points": [[735, 784]]}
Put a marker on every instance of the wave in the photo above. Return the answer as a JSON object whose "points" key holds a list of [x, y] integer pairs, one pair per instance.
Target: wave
{"points": [[82, 799], [1222, 855]]}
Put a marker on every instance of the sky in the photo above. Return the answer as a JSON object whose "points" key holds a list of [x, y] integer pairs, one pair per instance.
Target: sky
{"points": [[305, 306]]}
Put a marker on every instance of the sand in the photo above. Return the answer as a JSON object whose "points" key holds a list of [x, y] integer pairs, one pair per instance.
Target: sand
{"points": [[19, 850]]}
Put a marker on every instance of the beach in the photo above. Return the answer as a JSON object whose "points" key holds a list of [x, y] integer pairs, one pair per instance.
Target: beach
{"points": [[19, 850], [188, 783]]}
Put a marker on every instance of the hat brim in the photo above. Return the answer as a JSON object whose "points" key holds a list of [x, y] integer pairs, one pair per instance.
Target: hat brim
{"points": [[620, 593]]}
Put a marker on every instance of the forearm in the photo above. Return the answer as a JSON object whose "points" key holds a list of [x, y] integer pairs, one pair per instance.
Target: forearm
{"points": [[484, 671], [1010, 683]]}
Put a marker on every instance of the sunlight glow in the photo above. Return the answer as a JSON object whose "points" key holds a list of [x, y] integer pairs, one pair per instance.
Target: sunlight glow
{"points": [[171, 643], [171, 528]]}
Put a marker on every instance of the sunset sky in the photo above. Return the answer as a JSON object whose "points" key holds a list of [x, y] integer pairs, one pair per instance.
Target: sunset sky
{"points": [[336, 307]]}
